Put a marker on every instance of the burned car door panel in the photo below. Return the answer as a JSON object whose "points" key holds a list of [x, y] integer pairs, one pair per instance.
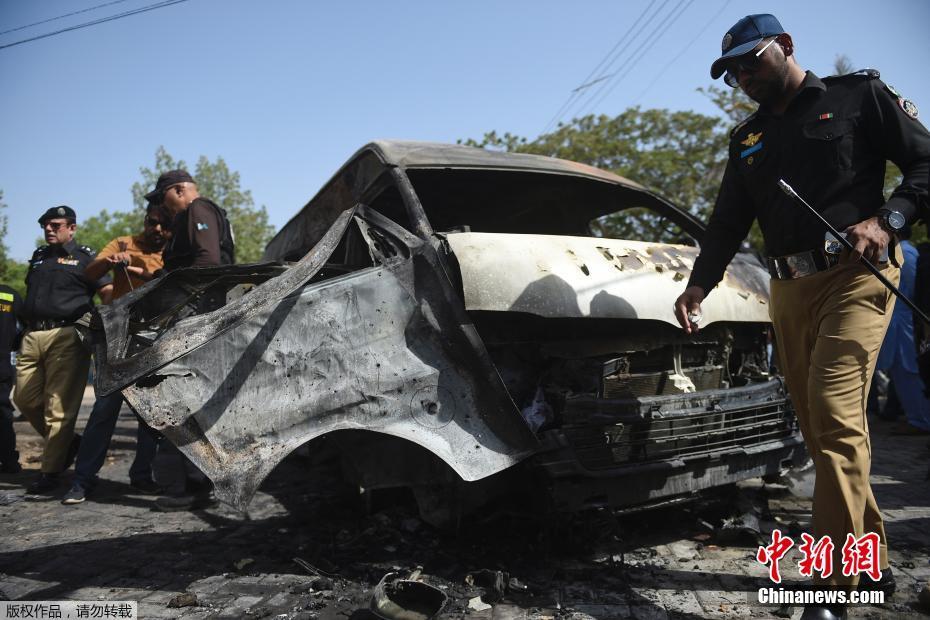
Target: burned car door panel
{"points": [[376, 349], [509, 341]]}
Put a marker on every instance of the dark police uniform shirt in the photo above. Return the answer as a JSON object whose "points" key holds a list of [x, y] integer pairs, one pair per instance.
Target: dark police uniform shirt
{"points": [[830, 146], [11, 306], [200, 237], [55, 283]]}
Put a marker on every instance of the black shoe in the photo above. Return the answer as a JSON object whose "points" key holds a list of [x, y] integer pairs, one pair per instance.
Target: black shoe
{"points": [[886, 584], [43, 484], [824, 612], [147, 486], [73, 450], [75, 495], [185, 502], [12, 467]]}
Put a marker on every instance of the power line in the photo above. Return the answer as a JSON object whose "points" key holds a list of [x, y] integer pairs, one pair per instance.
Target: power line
{"points": [[51, 19], [613, 74], [682, 52], [102, 20], [670, 19], [584, 83]]}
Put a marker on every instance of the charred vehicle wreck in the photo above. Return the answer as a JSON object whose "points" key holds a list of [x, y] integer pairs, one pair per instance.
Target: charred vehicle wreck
{"points": [[445, 315]]}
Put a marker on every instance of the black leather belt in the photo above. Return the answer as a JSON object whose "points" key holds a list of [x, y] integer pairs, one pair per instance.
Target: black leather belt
{"points": [[38, 325], [802, 264]]}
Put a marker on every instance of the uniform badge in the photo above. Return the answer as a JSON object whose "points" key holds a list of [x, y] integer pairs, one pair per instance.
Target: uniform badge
{"points": [[909, 107], [61, 211], [825, 116], [749, 160], [893, 91], [727, 39], [751, 139], [752, 149], [201, 226]]}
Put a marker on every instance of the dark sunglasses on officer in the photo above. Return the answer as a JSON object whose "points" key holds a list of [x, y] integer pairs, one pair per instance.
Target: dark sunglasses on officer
{"points": [[55, 225], [749, 61]]}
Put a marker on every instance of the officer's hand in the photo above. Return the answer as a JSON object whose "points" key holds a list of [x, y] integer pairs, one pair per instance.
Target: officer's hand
{"points": [[119, 257], [869, 239], [689, 303]]}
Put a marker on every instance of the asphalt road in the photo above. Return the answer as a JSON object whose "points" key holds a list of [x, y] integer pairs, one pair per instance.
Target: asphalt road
{"points": [[311, 548]]}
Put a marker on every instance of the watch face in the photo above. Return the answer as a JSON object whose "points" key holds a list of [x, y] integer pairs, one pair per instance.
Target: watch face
{"points": [[896, 220]]}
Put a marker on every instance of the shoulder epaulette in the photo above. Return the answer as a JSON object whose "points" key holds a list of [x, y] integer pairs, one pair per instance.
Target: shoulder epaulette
{"points": [[742, 124], [42, 249], [871, 74]]}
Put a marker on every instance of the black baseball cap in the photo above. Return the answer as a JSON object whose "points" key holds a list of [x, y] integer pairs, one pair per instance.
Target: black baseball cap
{"points": [[55, 212], [166, 180], [743, 37]]}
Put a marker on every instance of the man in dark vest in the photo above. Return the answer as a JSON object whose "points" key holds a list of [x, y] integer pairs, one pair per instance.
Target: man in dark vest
{"points": [[200, 232], [200, 237]]}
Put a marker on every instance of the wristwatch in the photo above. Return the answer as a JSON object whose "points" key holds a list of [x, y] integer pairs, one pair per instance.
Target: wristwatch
{"points": [[891, 220]]}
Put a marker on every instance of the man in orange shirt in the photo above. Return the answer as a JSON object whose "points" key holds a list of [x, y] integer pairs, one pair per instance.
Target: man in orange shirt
{"points": [[133, 261]]}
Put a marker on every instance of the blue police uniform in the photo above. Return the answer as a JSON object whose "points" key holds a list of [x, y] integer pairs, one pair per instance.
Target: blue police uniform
{"points": [[898, 355]]}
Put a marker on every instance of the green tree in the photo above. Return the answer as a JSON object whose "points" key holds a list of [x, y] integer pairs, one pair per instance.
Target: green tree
{"points": [[12, 272], [221, 185], [4, 221], [680, 155]]}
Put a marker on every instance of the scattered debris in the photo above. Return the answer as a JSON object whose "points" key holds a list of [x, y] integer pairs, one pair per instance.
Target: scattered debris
{"points": [[329, 571], [240, 564], [494, 582], [322, 583], [8, 497], [405, 599], [185, 599], [923, 598], [477, 604]]}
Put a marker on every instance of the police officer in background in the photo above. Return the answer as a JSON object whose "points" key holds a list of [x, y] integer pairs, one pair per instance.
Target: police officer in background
{"points": [[201, 236], [829, 139], [11, 307], [51, 370]]}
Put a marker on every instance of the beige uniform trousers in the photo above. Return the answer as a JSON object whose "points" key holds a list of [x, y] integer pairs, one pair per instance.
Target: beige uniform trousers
{"points": [[829, 327], [51, 372]]}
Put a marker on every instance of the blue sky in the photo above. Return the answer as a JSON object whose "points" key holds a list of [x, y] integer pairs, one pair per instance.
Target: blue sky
{"points": [[286, 90]]}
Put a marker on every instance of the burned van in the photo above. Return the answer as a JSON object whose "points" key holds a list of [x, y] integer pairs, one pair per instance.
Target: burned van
{"points": [[445, 315]]}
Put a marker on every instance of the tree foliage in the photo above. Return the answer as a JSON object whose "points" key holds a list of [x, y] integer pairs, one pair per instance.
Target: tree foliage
{"points": [[12, 272], [221, 185], [680, 155]]}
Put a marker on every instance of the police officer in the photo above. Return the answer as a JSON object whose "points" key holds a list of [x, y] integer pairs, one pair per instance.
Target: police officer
{"points": [[51, 370], [201, 236], [829, 139], [11, 307]]}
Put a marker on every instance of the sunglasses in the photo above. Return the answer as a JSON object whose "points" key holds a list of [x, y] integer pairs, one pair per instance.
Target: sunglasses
{"points": [[53, 225], [153, 222], [747, 62]]}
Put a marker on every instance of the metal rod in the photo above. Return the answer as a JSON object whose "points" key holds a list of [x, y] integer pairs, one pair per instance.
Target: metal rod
{"points": [[849, 246], [126, 273]]}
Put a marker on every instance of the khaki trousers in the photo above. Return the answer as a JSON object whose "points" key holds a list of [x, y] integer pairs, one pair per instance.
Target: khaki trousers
{"points": [[51, 372], [829, 327]]}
